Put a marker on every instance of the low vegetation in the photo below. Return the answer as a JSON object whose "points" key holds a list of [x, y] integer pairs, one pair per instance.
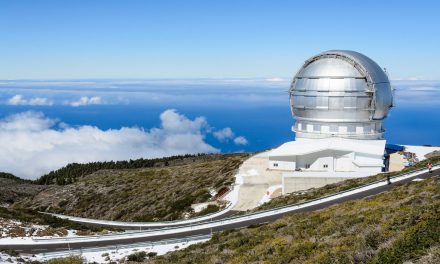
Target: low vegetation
{"points": [[5, 175], [433, 154], [74, 171], [140, 256], [393, 227], [163, 192], [210, 209], [67, 260]]}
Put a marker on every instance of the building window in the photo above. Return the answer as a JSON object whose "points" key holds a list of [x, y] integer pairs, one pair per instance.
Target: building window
{"points": [[317, 128], [333, 128], [325, 165], [275, 164], [307, 166], [351, 129]]}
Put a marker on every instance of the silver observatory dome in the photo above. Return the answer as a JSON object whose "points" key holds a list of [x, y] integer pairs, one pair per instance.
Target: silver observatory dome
{"points": [[340, 93]]}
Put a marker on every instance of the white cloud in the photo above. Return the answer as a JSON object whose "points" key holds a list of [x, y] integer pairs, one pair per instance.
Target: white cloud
{"points": [[33, 144], [240, 140], [94, 100], [20, 100], [40, 101], [424, 89], [224, 134], [275, 79], [16, 100]]}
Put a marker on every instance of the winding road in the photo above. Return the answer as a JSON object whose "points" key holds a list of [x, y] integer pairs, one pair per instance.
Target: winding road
{"points": [[208, 227]]}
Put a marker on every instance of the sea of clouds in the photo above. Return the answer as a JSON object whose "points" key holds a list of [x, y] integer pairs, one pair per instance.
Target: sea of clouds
{"points": [[34, 144]]}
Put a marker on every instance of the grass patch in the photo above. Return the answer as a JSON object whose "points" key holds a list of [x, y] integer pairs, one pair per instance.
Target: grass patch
{"points": [[67, 260]]}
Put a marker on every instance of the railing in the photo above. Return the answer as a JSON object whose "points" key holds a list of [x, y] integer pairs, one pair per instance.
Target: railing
{"points": [[150, 244]]}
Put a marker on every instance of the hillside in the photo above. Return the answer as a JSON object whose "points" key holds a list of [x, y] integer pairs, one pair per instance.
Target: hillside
{"points": [[163, 192], [74, 171], [21, 221], [393, 227], [13, 189]]}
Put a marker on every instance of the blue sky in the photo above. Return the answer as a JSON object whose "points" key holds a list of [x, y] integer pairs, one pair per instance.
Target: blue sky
{"points": [[85, 81], [211, 39]]}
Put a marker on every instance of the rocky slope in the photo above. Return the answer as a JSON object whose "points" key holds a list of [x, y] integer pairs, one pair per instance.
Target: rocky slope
{"points": [[13, 189]]}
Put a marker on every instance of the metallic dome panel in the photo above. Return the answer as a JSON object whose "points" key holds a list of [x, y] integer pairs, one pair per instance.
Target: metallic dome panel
{"points": [[329, 67], [340, 93]]}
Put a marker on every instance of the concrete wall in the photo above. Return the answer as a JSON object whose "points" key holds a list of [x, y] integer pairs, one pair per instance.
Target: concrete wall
{"points": [[363, 158], [370, 169], [344, 161], [294, 184]]}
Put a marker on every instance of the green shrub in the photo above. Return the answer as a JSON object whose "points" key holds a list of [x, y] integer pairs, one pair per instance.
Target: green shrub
{"points": [[413, 242], [67, 260], [10, 252], [137, 257], [151, 254]]}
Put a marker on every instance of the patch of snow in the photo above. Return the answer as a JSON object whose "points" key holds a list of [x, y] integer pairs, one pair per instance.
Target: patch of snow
{"points": [[252, 172], [267, 195], [16, 240], [4, 258], [71, 233], [115, 253], [201, 206], [232, 196], [213, 192]]}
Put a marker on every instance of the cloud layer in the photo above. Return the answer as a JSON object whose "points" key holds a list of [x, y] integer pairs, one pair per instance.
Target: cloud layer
{"points": [[171, 92], [84, 100], [33, 144], [20, 100]]}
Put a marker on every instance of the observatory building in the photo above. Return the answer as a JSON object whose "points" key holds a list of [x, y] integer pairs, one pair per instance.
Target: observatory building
{"points": [[339, 100]]}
